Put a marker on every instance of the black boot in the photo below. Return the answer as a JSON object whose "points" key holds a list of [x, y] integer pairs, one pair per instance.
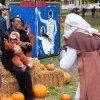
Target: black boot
{"points": [[30, 98]]}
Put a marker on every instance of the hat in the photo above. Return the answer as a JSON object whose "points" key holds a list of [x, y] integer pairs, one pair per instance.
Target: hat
{"points": [[14, 35], [75, 23], [3, 7]]}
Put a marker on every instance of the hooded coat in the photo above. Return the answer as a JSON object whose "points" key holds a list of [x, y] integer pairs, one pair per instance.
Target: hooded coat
{"points": [[88, 54]]}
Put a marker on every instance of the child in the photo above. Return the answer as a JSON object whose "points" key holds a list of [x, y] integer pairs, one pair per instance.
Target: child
{"points": [[15, 44]]}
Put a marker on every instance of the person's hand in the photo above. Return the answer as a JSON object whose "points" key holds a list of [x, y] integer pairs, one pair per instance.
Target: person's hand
{"points": [[19, 53], [32, 67], [96, 33], [25, 44], [23, 68]]}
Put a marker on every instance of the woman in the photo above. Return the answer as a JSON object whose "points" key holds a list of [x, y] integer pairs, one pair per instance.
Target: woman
{"points": [[23, 77], [82, 43]]}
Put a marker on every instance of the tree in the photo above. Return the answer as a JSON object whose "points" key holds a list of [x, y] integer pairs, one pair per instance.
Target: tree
{"points": [[2, 1]]}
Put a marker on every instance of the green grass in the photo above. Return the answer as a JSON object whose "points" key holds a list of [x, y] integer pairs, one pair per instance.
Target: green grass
{"points": [[54, 93]]}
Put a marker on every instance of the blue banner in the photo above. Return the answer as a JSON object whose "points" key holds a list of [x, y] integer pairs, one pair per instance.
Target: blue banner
{"points": [[43, 28]]}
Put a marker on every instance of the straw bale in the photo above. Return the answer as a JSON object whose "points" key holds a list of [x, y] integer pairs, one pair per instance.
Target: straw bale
{"points": [[48, 78]]}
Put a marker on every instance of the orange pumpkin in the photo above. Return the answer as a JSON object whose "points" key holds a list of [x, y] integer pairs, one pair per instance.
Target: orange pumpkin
{"points": [[62, 25], [39, 90], [5, 97], [18, 96], [65, 97], [68, 77], [62, 19], [42, 66], [50, 67]]}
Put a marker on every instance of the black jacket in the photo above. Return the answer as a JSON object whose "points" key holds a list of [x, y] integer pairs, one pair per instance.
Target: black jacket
{"points": [[2, 32], [3, 26]]}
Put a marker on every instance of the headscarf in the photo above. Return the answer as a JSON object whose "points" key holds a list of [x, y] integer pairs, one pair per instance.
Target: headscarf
{"points": [[75, 23]]}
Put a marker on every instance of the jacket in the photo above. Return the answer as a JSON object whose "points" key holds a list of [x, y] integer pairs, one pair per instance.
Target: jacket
{"points": [[3, 26]]}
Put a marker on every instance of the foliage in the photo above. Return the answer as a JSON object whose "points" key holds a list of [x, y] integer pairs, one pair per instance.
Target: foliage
{"points": [[2, 1]]}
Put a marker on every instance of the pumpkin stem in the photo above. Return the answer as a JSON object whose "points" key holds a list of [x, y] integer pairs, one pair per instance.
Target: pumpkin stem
{"points": [[16, 92]]}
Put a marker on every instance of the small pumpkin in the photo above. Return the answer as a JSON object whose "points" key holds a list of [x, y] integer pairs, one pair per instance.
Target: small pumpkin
{"points": [[65, 97], [42, 67], [39, 90], [5, 97], [50, 67], [18, 96], [62, 25], [62, 19], [68, 77]]}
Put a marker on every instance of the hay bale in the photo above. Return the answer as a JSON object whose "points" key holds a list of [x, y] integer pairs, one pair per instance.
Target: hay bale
{"points": [[8, 81], [49, 78]]}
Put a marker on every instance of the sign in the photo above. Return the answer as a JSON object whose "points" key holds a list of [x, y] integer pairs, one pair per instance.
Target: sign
{"points": [[43, 26]]}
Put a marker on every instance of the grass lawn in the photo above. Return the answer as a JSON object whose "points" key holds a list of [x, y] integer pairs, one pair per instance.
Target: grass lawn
{"points": [[54, 93]]}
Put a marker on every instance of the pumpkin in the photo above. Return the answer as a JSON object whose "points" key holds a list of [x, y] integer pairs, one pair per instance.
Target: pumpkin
{"points": [[62, 19], [18, 96], [62, 25], [5, 97], [39, 90], [42, 66], [50, 67], [65, 97], [68, 77]]}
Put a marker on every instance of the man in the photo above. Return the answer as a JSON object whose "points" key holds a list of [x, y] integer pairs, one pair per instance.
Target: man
{"points": [[51, 28], [82, 43], [83, 12], [93, 10], [23, 77], [3, 26]]}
